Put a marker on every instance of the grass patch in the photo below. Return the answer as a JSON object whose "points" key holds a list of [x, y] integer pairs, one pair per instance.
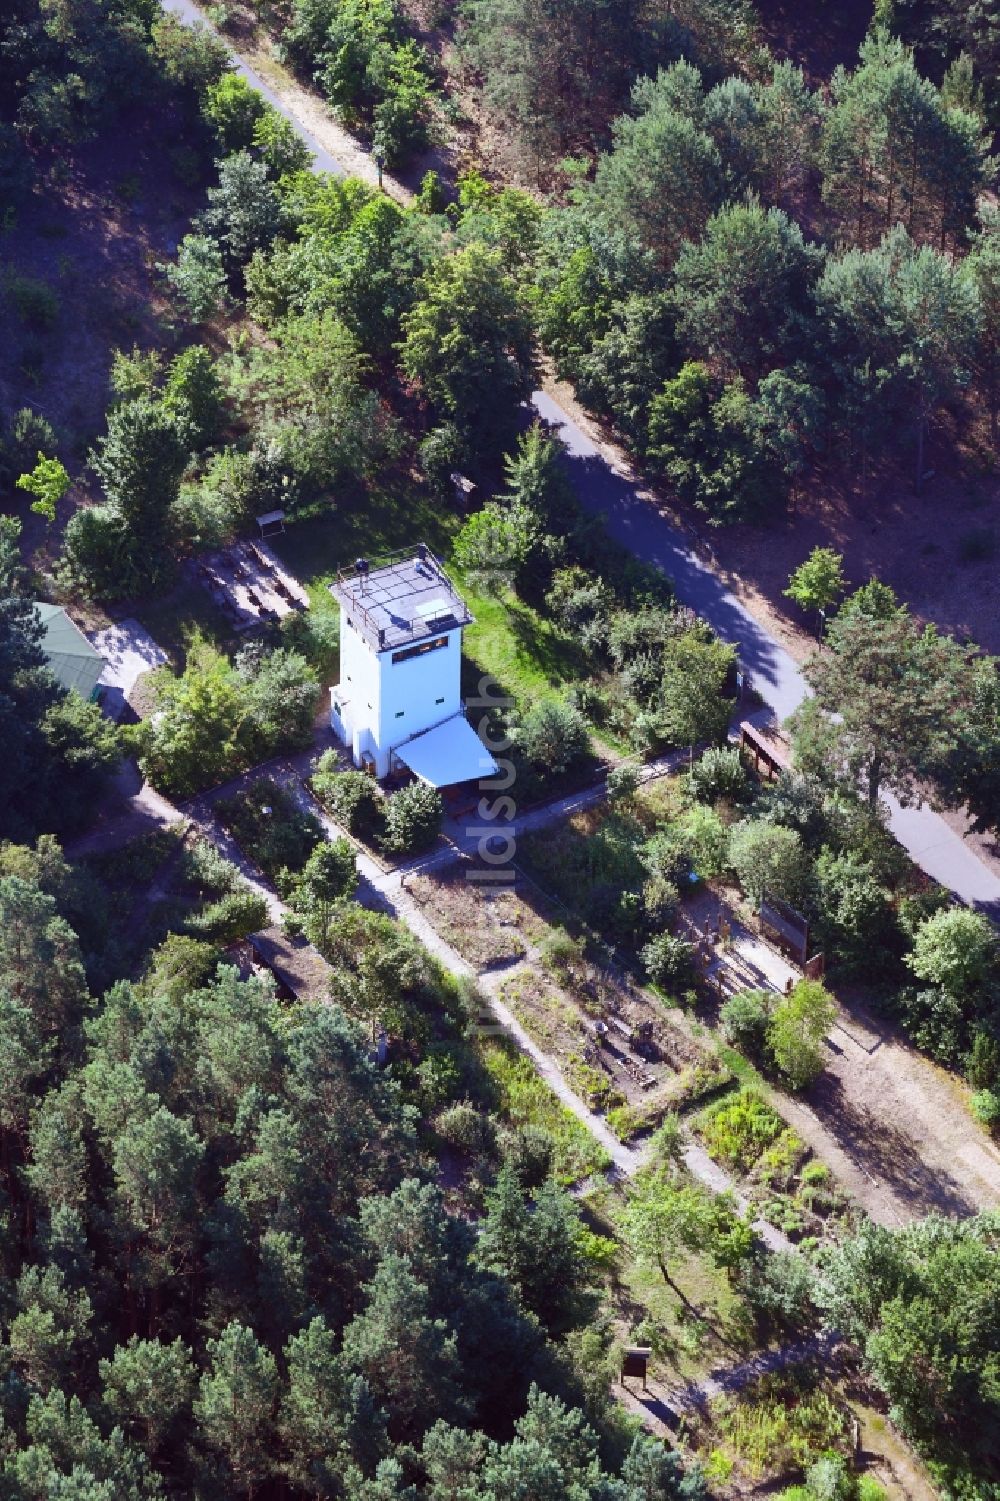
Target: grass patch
{"points": [[315, 548], [781, 1424], [687, 1341], [525, 1100], [528, 655]]}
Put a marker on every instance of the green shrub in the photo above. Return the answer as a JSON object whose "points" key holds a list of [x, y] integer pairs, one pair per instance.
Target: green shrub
{"points": [[413, 818], [744, 1019], [270, 827], [622, 784], [233, 916], [768, 861], [779, 1288], [719, 773], [985, 1107], [179, 966], [232, 108], [669, 962], [30, 433], [738, 1130], [442, 453], [466, 1129], [706, 840], [36, 304], [553, 737], [315, 634], [208, 870], [351, 797]]}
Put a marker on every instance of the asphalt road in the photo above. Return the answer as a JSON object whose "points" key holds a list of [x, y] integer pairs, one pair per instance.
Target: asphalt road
{"points": [[634, 522]]}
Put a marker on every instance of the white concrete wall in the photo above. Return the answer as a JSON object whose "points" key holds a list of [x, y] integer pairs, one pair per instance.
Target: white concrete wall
{"points": [[386, 702], [420, 692]]}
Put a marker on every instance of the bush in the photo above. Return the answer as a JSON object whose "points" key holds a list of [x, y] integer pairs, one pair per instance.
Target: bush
{"points": [[719, 773], [779, 1288], [706, 839], [738, 1130], [315, 634], [35, 303], [466, 1129], [413, 818], [744, 1019], [233, 916], [215, 719], [669, 962], [351, 797], [442, 453], [553, 737], [623, 784], [233, 109], [768, 860], [530, 1150], [199, 276], [30, 433], [796, 1031], [985, 1107], [208, 870], [955, 950], [179, 966]]}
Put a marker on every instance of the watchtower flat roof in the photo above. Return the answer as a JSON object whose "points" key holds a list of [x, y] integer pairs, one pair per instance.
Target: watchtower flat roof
{"points": [[408, 598]]}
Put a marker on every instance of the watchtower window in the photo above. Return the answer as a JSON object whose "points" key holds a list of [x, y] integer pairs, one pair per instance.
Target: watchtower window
{"points": [[419, 650]]}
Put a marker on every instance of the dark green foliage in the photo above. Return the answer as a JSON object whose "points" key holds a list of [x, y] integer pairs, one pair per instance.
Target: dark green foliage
{"points": [[367, 67], [314, 895], [353, 797], [714, 444], [270, 827], [894, 153], [193, 395], [413, 818], [744, 290], [534, 1243], [669, 963], [553, 739], [922, 1305], [744, 1019], [719, 773], [216, 719], [468, 341], [244, 211], [122, 547]]}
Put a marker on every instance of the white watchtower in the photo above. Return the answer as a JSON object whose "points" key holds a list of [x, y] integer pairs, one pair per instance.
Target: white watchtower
{"points": [[399, 695]]}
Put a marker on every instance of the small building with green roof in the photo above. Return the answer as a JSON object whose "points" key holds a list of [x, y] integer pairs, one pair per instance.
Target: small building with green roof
{"points": [[72, 660]]}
